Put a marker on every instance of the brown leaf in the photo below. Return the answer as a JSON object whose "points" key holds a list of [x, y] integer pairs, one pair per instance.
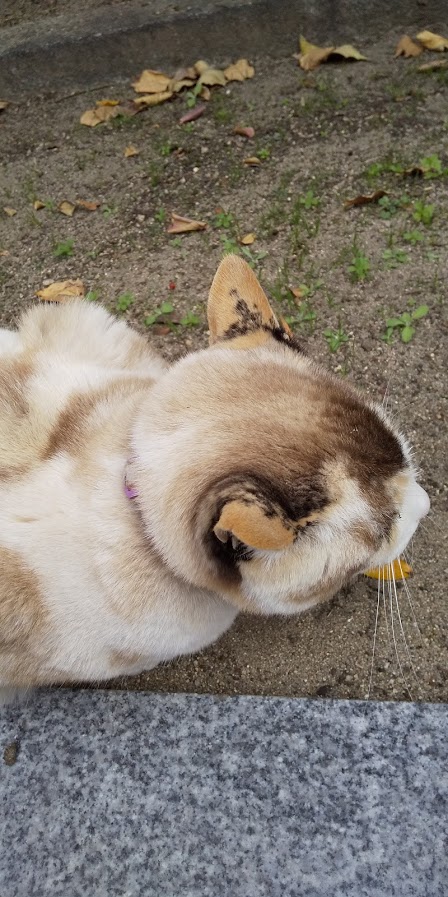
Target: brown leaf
{"points": [[180, 225], [67, 208], [432, 66], [61, 290], [151, 81], [161, 329], [37, 204], [248, 239], [88, 206], [244, 132], [296, 292], [239, 71], [4, 252], [363, 199], [311, 56], [212, 77], [153, 99], [108, 102], [407, 47], [183, 73], [192, 114], [101, 113], [176, 85], [3, 105], [9, 211], [130, 151], [205, 93], [201, 66], [433, 41], [415, 172], [252, 160]]}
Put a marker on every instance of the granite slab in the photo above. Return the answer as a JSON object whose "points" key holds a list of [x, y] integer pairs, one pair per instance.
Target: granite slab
{"points": [[109, 794]]}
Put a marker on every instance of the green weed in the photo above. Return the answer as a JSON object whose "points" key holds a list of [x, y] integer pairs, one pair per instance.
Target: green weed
{"points": [[124, 301], [423, 213], [64, 249], [404, 324], [336, 338], [395, 257], [359, 268], [413, 236], [164, 309], [92, 296]]}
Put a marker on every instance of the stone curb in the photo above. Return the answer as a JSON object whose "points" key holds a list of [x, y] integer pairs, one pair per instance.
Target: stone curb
{"points": [[94, 47]]}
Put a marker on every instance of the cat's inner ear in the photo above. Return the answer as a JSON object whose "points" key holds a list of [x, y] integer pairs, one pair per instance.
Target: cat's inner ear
{"points": [[250, 524], [237, 306]]}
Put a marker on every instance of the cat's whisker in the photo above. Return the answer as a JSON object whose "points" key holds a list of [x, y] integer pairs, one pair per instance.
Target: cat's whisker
{"points": [[374, 641], [391, 608], [389, 641], [408, 595], [406, 646]]}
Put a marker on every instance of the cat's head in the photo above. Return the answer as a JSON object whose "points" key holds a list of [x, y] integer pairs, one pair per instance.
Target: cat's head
{"points": [[262, 476]]}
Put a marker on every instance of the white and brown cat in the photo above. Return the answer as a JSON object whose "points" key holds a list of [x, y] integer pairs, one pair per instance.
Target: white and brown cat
{"points": [[142, 506]]}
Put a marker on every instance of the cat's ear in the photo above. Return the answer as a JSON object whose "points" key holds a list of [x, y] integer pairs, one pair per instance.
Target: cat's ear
{"points": [[250, 524], [237, 306]]}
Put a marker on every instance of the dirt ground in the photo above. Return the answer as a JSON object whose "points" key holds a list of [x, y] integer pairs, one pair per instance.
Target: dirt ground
{"points": [[322, 138]]}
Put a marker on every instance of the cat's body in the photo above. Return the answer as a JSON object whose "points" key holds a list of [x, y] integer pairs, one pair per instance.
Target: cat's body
{"points": [[141, 507]]}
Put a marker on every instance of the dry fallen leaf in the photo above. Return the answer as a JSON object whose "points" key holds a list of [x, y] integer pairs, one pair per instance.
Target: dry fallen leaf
{"points": [[130, 151], [3, 105], [201, 66], [37, 204], [180, 225], [252, 160], [311, 56], [212, 77], [400, 570], [153, 99], [161, 330], [176, 85], [101, 113], [151, 81], [296, 292], [244, 132], [347, 51], [192, 114], [248, 239], [190, 73], [239, 71], [67, 208], [9, 211], [432, 66], [87, 205], [205, 93], [61, 290], [433, 41], [407, 47], [4, 252], [362, 199]]}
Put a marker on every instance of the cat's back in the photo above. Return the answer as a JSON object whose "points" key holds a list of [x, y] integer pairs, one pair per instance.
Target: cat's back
{"points": [[63, 361]]}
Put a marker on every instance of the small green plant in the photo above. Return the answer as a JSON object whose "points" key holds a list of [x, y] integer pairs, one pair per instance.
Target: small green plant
{"points": [[64, 249], [92, 296], [176, 241], [191, 97], [166, 148], [50, 205], [264, 153], [360, 266], [432, 167], [404, 324], [160, 216], [124, 301], [413, 236], [390, 206], [336, 338], [308, 290], [304, 316], [423, 213], [108, 211], [309, 200], [164, 309], [395, 257], [378, 168], [190, 320], [224, 220]]}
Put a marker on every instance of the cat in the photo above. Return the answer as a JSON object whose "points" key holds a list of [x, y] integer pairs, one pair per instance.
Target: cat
{"points": [[142, 506]]}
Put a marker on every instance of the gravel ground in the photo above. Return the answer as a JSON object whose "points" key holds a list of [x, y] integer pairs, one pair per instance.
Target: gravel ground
{"points": [[322, 138]]}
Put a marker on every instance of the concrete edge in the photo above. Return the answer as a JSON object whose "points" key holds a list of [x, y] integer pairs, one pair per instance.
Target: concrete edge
{"points": [[112, 43]]}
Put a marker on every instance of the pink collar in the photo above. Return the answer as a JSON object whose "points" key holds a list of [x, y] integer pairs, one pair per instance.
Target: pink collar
{"points": [[129, 490]]}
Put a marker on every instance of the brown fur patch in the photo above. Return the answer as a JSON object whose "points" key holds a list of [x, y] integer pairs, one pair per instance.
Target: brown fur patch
{"points": [[125, 660], [23, 620], [237, 304]]}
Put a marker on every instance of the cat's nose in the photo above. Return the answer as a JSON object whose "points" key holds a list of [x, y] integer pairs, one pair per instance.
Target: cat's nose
{"points": [[422, 503]]}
